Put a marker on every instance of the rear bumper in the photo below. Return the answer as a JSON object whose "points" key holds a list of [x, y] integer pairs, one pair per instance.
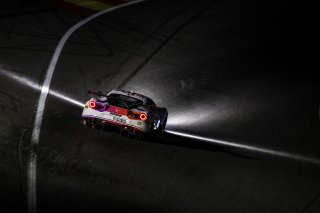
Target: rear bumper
{"points": [[104, 121]]}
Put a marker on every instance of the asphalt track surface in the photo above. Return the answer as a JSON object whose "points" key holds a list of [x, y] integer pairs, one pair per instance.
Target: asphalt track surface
{"points": [[237, 72]]}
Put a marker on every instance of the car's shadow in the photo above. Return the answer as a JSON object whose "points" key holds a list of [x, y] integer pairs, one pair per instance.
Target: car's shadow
{"points": [[170, 139]]}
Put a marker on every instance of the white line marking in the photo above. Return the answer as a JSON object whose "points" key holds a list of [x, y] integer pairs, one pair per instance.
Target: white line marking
{"points": [[248, 147], [33, 85], [32, 175], [32, 163]]}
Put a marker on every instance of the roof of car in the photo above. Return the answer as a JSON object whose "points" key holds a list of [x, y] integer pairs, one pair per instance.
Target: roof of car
{"points": [[143, 98]]}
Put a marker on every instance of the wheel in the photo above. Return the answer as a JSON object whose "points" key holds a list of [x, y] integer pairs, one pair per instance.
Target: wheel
{"points": [[140, 136], [124, 132], [163, 125]]}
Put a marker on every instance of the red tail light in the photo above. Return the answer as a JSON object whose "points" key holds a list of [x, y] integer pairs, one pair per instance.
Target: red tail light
{"points": [[92, 104], [143, 116]]}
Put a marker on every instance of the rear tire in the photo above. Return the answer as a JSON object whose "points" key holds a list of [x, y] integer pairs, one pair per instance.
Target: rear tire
{"points": [[163, 125], [140, 136]]}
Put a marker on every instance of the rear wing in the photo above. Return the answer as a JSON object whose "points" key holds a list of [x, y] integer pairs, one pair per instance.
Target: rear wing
{"points": [[103, 97]]}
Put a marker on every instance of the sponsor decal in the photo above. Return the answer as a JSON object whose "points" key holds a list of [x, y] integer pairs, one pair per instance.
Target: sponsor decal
{"points": [[115, 118]]}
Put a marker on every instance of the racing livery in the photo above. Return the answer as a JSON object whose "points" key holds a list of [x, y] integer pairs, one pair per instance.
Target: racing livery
{"points": [[133, 113]]}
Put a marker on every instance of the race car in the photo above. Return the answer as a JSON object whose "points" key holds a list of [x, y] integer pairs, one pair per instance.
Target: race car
{"points": [[133, 113]]}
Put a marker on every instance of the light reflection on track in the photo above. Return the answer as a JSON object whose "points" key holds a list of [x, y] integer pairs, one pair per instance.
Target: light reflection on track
{"points": [[247, 147], [32, 84], [24, 80]]}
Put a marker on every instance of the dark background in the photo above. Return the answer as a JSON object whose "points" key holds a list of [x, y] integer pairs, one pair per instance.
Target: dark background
{"points": [[241, 72]]}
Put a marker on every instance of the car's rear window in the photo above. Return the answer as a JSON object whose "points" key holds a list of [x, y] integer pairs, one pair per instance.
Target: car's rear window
{"points": [[123, 101]]}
